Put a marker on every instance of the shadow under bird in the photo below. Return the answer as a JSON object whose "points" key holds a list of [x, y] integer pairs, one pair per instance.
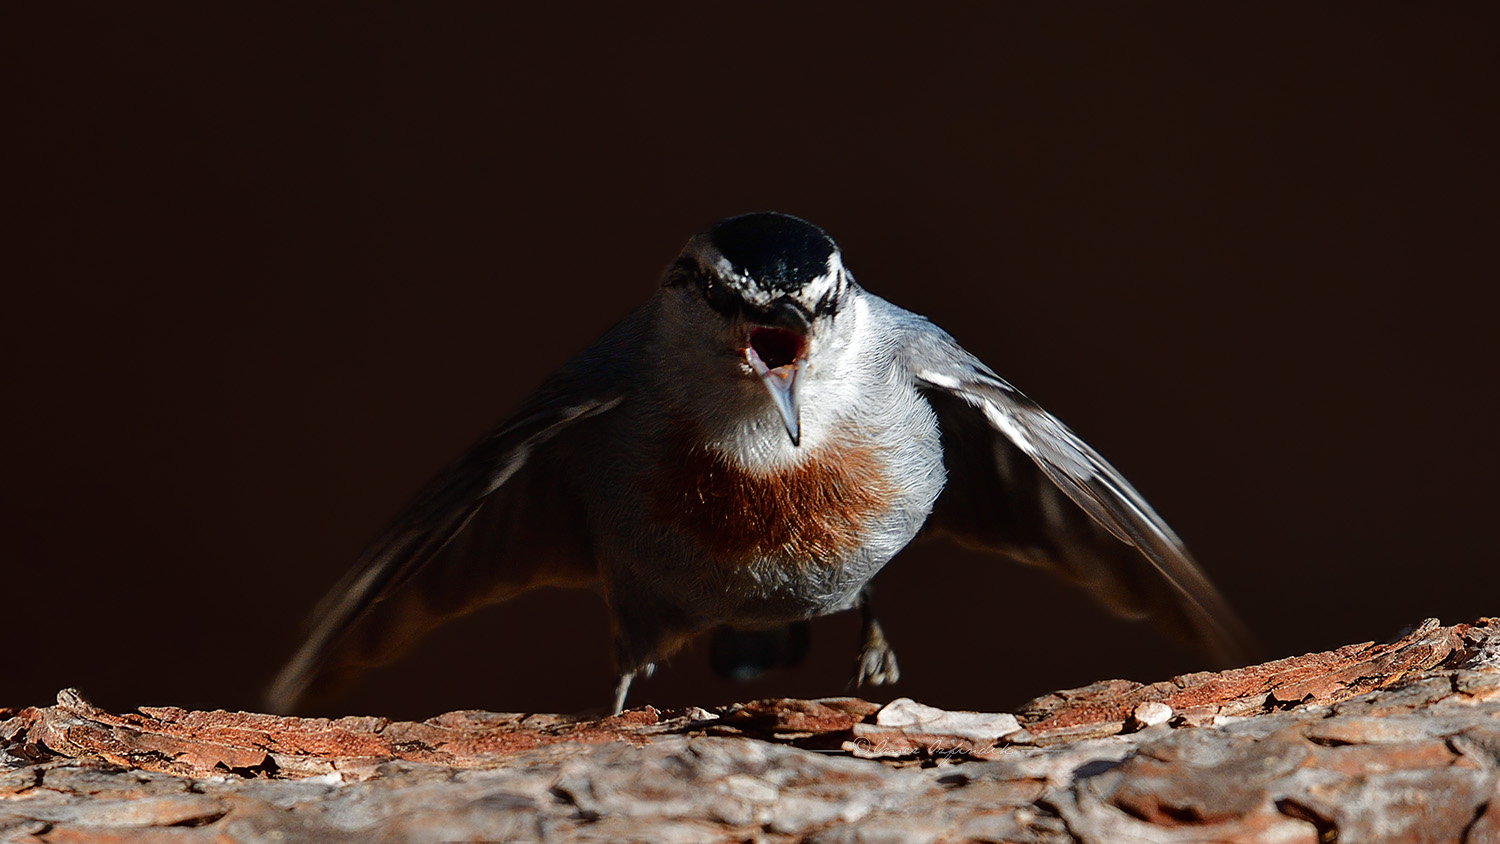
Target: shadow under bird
{"points": [[742, 453]]}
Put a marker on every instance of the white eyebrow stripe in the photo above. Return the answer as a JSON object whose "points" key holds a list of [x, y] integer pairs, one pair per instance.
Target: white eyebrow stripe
{"points": [[722, 265], [835, 263], [819, 287], [757, 294]]}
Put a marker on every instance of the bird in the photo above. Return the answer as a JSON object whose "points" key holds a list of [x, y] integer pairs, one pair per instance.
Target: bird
{"points": [[741, 453]]}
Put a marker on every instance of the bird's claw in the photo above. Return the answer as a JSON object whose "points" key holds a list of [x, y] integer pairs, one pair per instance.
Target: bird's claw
{"points": [[876, 663]]}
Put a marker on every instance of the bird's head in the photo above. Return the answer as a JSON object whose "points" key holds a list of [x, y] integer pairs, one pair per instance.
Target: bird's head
{"points": [[761, 294]]}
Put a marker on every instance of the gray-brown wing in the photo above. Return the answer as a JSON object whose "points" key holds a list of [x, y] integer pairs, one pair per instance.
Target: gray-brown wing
{"points": [[1021, 483], [499, 520]]}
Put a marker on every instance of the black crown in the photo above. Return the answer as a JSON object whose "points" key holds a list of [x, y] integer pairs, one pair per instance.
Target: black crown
{"points": [[778, 251]]}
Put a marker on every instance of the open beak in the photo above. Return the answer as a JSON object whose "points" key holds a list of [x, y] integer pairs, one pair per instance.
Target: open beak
{"points": [[777, 355]]}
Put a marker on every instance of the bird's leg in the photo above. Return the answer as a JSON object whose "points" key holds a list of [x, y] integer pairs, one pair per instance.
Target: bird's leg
{"points": [[622, 688], [876, 663], [622, 685]]}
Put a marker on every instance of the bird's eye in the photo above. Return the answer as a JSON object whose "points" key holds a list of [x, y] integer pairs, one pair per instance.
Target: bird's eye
{"points": [[682, 272], [718, 297]]}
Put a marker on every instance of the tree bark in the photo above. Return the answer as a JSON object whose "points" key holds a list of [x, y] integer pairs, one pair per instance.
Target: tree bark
{"points": [[1385, 742]]}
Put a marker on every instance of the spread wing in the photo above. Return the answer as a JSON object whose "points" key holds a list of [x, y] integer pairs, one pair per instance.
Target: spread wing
{"points": [[1021, 483], [499, 520]]}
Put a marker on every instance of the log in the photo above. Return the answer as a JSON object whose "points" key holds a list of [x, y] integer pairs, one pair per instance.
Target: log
{"points": [[1396, 741]]}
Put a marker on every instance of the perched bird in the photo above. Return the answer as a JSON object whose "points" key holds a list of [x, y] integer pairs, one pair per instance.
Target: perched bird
{"points": [[742, 453]]}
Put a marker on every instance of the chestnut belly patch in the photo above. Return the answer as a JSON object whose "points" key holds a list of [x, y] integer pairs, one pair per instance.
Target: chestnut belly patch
{"points": [[815, 512]]}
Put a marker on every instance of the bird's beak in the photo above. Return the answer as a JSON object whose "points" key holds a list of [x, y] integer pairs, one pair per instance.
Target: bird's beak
{"points": [[777, 355]]}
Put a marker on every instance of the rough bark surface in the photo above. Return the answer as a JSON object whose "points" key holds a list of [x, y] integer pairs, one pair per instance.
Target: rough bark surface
{"points": [[1374, 742]]}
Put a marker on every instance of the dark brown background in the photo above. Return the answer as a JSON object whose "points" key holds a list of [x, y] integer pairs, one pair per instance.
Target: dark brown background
{"points": [[272, 271]]}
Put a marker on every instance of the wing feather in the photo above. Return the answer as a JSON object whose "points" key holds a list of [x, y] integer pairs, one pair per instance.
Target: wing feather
{"points": [[501, 519], [492, 524], [1008, 459]]}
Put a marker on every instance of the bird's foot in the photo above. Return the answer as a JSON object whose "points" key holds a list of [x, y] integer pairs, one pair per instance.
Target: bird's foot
{"points": [[876, 663], [622, 686]]}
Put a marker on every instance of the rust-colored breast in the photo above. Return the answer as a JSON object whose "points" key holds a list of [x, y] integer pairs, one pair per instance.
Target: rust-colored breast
{"points": [[812, 513]]}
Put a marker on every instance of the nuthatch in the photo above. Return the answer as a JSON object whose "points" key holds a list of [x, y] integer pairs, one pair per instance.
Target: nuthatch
{"points": [[742, 453]]}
